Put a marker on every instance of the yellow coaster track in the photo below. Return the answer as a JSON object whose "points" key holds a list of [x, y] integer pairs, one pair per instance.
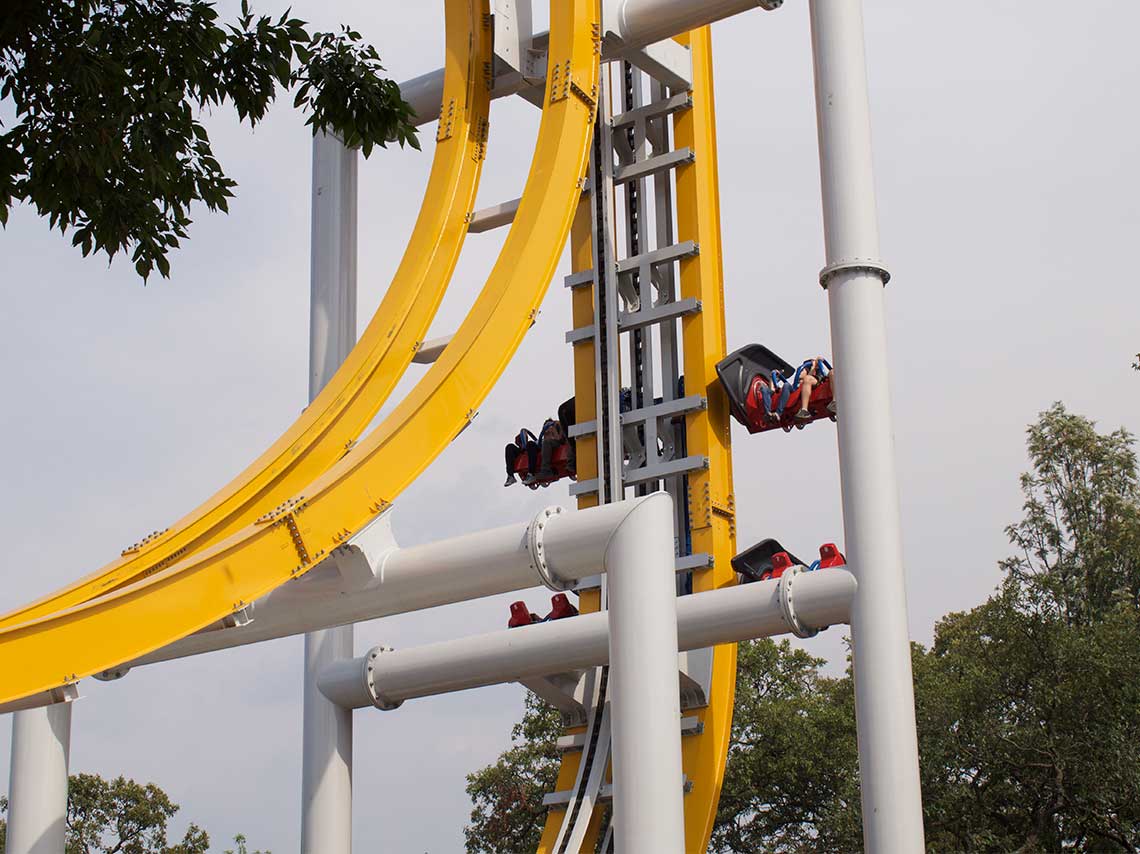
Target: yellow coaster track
{"points": [[287, 541], [711, 501], [712, 505], [333, 421]]}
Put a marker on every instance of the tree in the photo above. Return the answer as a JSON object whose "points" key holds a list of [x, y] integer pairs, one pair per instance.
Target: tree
{"points": [[1079, 541], [239, 840], [791, 783], [1028, 730], [120, 815], [507, 813], [1028, 706], [107, 95]]}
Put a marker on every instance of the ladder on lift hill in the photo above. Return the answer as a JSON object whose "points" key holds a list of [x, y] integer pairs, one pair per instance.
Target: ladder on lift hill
{"points": [[636, 314]]}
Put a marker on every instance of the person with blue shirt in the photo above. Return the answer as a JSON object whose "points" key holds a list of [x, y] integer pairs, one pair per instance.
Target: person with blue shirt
{"points": [[776, 389], [808, 375]]}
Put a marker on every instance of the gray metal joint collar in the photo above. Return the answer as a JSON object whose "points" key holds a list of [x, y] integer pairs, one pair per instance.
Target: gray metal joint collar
{"points": [[538, 562], [854, 265], [788, 606], [378, 699]]}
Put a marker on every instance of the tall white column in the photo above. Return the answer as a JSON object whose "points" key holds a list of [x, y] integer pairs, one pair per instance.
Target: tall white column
{"points": [[648, 795], [326, 773], [37, 807], [855, 280]]}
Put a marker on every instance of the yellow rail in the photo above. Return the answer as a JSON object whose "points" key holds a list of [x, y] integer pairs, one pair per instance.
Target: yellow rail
{"points": [[289, 540], [355, 394], [711, 504]]}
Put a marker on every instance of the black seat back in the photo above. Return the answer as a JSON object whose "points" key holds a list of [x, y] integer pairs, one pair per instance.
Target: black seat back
{"points": [[737, 370], [756, 560]]}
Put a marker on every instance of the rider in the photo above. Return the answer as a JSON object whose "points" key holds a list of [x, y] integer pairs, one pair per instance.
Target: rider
{"points": [[550, 437], [770, 384], [809, 374], [555, 433], [525, 443], [566, 418]]}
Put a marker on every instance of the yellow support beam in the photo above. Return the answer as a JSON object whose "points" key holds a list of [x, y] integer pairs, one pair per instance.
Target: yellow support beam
{"points": [[290, 539], [350, 401], [712, 514], [712, 504], [586, 454]]}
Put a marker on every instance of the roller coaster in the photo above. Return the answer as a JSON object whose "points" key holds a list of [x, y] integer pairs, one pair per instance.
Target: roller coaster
{"points": [[643, 668]]}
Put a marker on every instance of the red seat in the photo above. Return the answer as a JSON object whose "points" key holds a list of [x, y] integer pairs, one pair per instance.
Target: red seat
{"points": [[561, 607], [758, 422], [781, 563], [521, 615], [559, 463], [830, 556]]}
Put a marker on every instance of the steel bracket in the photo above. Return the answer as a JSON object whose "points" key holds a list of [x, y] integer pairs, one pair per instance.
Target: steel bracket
{"points": [[538, 550], [788, 606]]}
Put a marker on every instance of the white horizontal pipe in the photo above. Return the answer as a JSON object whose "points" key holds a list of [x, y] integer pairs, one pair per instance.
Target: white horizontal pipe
{"points": [[424, 94], [410, 579], [642, 22], [727, 615], [638, 23]]}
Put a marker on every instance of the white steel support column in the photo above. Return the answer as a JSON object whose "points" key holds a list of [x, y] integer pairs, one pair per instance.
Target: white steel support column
{"points": [[855, 280], [648, 793], [37, 808], [326, 773]]}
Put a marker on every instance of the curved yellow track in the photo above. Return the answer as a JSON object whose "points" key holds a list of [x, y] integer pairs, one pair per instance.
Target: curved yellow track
{"points": [[354, 395], [189, 595], [711, 502]]}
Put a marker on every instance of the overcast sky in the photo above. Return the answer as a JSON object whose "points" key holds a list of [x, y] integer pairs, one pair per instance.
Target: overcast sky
{"points": [[1005, 150]]}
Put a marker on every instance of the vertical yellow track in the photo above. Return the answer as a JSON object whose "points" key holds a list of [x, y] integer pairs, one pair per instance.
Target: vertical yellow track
{"points": [[329, 426], [290, 539], [585, 409], [712, 505], [711, 501]]}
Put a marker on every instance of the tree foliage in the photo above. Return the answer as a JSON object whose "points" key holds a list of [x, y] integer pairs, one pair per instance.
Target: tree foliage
{"points": [[120, 815], [242, 848], [1028, 730], [790, 783], [107, 97], [1079, 541], [507, 813], [1028, 706]]}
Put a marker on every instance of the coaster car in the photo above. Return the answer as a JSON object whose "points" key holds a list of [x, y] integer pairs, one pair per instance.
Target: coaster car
{"points": [[559, 464], [769, 560], [740, 373]]}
